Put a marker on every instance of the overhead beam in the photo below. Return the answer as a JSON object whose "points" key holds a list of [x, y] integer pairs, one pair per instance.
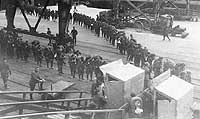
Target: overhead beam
{"points": [[23, 13], [40, 17], [136, 8]]}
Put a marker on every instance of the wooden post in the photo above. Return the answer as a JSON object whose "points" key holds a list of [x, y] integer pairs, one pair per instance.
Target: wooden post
{"points": [[154, 104], [79, 102], [67, 116], [86, 102], [123, 114], [68, 105], [47, 104], [108, 115], [24, 96], [21, 110], [93, 114], [21, 106], [188, 7], [62, 103]]}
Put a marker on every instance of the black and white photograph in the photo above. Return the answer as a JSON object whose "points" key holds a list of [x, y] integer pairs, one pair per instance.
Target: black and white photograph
{"points": [[99, 59]]}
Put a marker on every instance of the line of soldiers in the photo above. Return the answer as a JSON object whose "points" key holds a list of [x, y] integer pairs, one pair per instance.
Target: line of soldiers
{"points": [[85, 65], [37, 11], [125, 45], [136, 53]]}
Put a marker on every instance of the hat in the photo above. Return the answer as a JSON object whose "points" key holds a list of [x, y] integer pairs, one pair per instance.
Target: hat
{"points": [[146, 64], [4, 58]]}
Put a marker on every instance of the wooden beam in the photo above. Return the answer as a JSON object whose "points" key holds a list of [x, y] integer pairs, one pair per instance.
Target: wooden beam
{"points": [[9, 110], [154, 104], [142, 4], [39, 109], [21, 92], [40, 17], [42, 101], [20, 99], [137, 9], [26, 19], [62, 112]]}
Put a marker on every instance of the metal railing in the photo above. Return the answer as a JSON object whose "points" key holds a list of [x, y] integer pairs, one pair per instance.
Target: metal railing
{"points": [[67, 113], [24, 93], [61, 103]]}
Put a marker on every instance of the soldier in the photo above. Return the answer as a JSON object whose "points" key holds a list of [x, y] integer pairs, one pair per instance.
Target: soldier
{"points": [[39, 56], [35, 78], [11, 47], [165, 33], [34, 50], [49, 31], [73, 64], [70, 63], [18, 48], [60, 57], [26, 51], [89, 68], [49, 56], [143, 56], [80, 67], [147, 69], [137, 56], [74, 33], [5, 71]]}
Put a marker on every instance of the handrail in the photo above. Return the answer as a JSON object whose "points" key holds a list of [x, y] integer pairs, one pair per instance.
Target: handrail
{"points": [[61, 112], [42, 101], [21, 92]]}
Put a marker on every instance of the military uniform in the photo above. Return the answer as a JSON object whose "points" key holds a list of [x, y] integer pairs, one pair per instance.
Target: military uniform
{"points": [[74, 33], [35, 78], [5, 71], [80, 68], [39, 56], [60, 61], [73, 64], [50, 57], [89, 68]]}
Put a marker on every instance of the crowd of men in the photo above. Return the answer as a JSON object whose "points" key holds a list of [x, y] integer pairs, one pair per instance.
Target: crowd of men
{"points": [[12, 46]]}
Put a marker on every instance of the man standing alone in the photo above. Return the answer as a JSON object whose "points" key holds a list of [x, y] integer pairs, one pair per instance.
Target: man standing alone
{"points": [[5, 71], [35, 79], [74, 33]]}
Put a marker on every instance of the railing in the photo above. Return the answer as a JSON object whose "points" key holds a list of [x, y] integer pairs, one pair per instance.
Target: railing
{"points": [[67, 113], [24, 93], [23, 105], [45, 102]]}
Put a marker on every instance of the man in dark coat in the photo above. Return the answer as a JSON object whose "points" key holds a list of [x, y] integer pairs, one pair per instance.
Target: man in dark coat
{"points": [[5, 71], [74, 33], [35, 78]]}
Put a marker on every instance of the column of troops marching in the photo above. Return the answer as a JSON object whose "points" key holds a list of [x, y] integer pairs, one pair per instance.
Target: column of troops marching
{"points": [[48, 14], [137, 54], [13, 46]]}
